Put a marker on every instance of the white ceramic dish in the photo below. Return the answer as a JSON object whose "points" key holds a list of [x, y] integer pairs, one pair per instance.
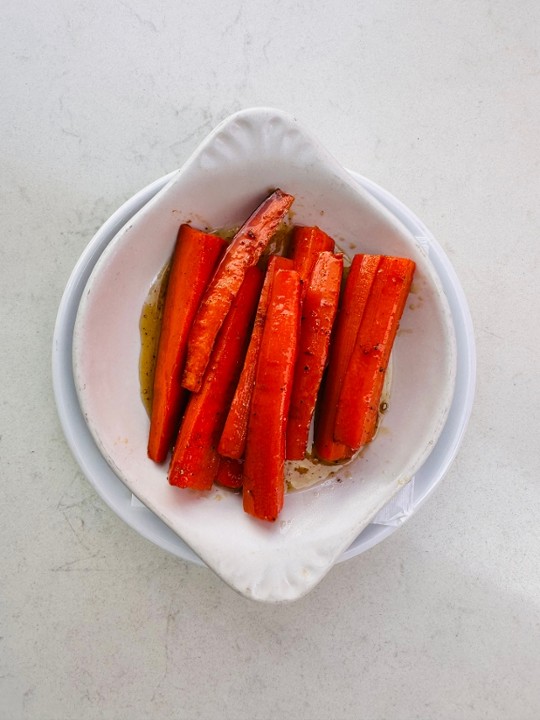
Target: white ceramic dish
{"points": [[219, 185], [117, 494]]}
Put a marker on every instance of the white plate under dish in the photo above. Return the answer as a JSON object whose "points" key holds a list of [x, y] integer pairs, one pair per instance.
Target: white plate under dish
{"points": [[272, 585]]}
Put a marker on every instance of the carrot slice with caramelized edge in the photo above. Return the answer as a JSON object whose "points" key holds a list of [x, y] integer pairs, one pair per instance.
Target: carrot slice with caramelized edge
{"points": [[229, 473], [194, 260], [318, 313], [244, 251], [233, 439], [358, 407], [357, 287], [195, 459], [264, 475], [306, 244]]}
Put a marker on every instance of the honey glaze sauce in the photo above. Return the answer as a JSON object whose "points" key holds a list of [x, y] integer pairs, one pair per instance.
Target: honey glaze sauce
{"points": [[299, 474], [302, 474], [149, 329]]}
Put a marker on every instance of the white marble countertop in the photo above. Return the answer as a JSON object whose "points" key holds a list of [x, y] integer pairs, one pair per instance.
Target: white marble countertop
{"points": [[437, 102]]}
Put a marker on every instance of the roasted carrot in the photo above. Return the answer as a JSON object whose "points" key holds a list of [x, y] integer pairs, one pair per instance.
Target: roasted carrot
{"points": [[357, 288], [229, 473], [243, 252], [358, 406], [264, 479], [195, 458], [306, 244], [318, 313], [194, 259], [233, 439]]}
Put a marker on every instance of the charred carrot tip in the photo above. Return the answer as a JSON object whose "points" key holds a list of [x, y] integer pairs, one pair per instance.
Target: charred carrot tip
{"points": [[244, 251]]}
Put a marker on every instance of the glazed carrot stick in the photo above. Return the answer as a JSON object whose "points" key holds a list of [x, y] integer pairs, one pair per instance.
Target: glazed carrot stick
{"points": [[306, 244], [357, 288], [233, 439], [358, 406], [194, 259], [318, 313], [195, 459], [264, 479], [229, 473], [243, 252]]}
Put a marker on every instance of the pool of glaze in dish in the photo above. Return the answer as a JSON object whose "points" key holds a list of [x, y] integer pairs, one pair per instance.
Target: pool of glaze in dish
{"points": [[150, 329]]}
